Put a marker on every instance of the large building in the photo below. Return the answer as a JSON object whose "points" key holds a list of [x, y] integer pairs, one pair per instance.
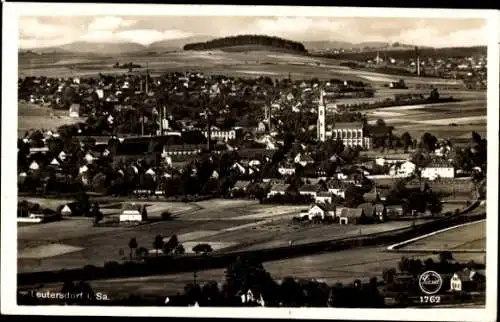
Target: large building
{"points": [[352, 134]]}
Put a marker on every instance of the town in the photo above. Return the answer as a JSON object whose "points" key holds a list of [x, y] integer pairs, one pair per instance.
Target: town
{"points": [[201, 188]]}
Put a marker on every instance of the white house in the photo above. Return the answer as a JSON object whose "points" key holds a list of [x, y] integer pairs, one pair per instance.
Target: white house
{"points": [[285, 170], [238, 167], [66, 211], [89, 158], [74, 110], [321, 210], [83, 169], [324, 197], [54, 162], [303, 159], [34, 166], [404, 169], [407, 168], [62, 156], [130, 213], [438, 168], [336, 187]]}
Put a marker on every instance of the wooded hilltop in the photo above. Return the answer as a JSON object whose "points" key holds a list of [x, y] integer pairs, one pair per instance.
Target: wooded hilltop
{"points": [[245, 40]]}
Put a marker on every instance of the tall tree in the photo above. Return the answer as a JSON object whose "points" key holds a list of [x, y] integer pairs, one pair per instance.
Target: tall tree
{"points": [[132, 244]]}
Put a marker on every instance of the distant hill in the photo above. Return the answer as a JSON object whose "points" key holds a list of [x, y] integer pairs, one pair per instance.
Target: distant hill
{"points": [[337, 45], [249, 41], [176, 44], [103, 48]]}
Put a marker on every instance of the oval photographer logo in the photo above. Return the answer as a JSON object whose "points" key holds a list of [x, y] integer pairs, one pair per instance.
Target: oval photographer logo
{"points": [[430, 282]]}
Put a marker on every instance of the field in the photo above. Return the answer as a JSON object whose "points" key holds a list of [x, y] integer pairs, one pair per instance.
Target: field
{"points": [[254, 63], [227, 225], [470, 237], [31, 116], [454, 120]]}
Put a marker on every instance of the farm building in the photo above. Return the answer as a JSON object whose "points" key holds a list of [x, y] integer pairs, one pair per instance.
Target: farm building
{"points": [[130, 213], [438, 168], [351, 216], [321, 210]]}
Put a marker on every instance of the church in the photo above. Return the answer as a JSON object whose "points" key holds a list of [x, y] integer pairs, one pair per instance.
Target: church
{"points": [[352, 134]]}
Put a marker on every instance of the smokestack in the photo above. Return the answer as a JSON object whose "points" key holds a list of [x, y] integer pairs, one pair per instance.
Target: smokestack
{"points": [[209, 134], [147, 78], [418, 61]]}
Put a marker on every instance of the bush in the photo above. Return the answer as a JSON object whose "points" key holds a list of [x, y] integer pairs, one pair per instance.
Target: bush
{"points": [[166, 215]]}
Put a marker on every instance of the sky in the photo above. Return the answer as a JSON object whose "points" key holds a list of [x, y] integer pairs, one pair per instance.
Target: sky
{"points": [[47, 31]]}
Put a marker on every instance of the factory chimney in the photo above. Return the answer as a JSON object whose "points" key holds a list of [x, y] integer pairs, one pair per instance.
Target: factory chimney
{"points": [[418, 61]]}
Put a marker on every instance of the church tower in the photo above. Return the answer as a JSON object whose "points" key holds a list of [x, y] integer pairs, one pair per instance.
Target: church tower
{"points": [[321, 126]]}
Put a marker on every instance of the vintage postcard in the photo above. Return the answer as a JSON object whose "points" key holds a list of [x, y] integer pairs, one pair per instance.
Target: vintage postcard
{"points": [[246, 161]]}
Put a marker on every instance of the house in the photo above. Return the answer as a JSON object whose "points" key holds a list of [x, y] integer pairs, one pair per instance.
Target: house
{"points": [[321, 210], [368, 209], [351, 216], [74, 110], [438, 168], [380, 212], [62, 156], [406, 169], [66, 211], [303, 159], [324, 197], [280, 189], [130, 212], [89, 158], [238, 167], [394, 211], [286, 170], [34, 166], [337, 187], [464, 281], [54, 163], [241, 185], [310, 190]]}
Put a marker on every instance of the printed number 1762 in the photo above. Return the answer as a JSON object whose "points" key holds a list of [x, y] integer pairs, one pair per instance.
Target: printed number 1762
{"points": [[430, 299]]}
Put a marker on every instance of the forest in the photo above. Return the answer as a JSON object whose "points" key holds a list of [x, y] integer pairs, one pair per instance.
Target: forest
{"points": [[245, 40]]}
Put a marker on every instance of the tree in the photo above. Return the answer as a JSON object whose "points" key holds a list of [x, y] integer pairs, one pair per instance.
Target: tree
{"points": [[380, 122], [179, 250], [406, 140], [171, 244], [96, 213], [445, 256], [202, 248], [248, 273], [132, 244], [428, 142], [388, 275], [158, 243], [144, 213], [290, 292]]}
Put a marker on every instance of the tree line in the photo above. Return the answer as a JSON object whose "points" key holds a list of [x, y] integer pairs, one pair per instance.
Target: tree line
{"points": [[243, 40]]}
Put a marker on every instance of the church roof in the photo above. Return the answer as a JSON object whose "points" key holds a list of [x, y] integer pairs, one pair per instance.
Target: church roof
{"points": [[348, 125]]}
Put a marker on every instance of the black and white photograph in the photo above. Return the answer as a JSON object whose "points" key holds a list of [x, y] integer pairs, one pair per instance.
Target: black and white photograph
{"points": [[250, 161]]}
